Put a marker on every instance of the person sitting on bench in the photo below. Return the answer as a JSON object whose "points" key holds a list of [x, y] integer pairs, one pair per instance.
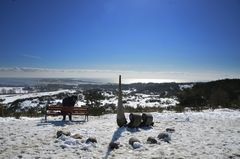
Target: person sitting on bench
{"points": [[68, 102]]}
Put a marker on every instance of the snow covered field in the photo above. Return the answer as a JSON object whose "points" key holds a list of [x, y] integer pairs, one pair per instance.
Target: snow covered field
{"points": [[136, 100], [209, 134], [12, 97], [9, 90]]}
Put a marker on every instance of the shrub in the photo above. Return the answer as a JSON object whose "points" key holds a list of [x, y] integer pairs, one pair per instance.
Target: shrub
{"points": [[17, 115], [96, 111], [222, 93]]}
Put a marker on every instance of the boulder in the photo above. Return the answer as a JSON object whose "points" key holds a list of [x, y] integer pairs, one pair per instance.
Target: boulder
{"points": [[147, 120], [151, 140], [60, 132], [135, 120], [91, 139]]}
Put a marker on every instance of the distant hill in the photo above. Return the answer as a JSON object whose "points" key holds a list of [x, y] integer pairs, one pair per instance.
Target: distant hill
{"points": [[162, 89], [222, 93]]}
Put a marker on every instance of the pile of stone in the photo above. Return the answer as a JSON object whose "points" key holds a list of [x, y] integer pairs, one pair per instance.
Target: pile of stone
{"points": [[133, 141], [164, 136], [75, 136]]}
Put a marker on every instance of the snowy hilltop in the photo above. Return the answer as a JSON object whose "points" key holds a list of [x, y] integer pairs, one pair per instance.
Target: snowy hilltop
{"points": [[208, 134]]}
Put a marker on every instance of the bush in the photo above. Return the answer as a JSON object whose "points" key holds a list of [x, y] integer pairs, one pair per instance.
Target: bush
{"points": [[1, 111], [179, 109], [141, 109], [96, 111], [216, 94], [93, 97], [17, 115]]}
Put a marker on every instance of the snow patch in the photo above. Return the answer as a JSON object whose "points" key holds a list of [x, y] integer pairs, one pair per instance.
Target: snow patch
{"points": [[208, 134]]}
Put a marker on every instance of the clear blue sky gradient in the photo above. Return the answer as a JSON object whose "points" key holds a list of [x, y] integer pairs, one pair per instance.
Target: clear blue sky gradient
{"points": [[139, 35]]}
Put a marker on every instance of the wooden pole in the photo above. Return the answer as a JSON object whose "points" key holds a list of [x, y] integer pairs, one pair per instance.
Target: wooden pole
{"points": [[121, 119]]}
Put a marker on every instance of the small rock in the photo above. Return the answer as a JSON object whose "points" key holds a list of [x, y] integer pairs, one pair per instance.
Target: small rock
{"points": [[171, 130], [132, 140], [165, 137], [91, 139], [77, 136], [151, 140], [59, 133], [63, 146], [237, 155], [114, 145], [136, 145]]}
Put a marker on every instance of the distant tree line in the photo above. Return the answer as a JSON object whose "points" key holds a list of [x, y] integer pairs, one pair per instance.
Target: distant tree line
{"points": [[7, 91], [162, 89], [216, 94]]}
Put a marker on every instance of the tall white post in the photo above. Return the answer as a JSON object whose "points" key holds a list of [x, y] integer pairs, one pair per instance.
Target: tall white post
{"points": [[121, 120]]}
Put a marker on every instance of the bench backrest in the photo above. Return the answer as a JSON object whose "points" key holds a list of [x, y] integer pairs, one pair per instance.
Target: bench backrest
{"points": [[67, 109]]}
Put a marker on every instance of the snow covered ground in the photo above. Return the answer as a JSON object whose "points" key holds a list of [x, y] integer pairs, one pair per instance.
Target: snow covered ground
{"points": [[12, 97], [130, 100], [143, 100], [17, 90], [185, 86], [209, 134]]}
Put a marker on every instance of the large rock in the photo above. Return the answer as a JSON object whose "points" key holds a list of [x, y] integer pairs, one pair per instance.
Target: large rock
{"points": [[135, 120], [147, 120], [60, 133]]}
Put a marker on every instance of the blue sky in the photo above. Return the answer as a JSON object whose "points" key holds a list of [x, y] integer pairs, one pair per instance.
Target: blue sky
{"points": [[138, 38]]}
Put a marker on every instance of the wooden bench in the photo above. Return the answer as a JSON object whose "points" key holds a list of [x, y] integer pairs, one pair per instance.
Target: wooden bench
{"points": [[55, 110]]}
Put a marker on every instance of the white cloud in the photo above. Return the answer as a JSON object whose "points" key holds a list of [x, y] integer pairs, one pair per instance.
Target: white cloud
{"points": [[129, 76]]}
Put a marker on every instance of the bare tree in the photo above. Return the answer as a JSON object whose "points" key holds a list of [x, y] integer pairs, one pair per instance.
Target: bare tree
{"points": [[4, 91]]}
